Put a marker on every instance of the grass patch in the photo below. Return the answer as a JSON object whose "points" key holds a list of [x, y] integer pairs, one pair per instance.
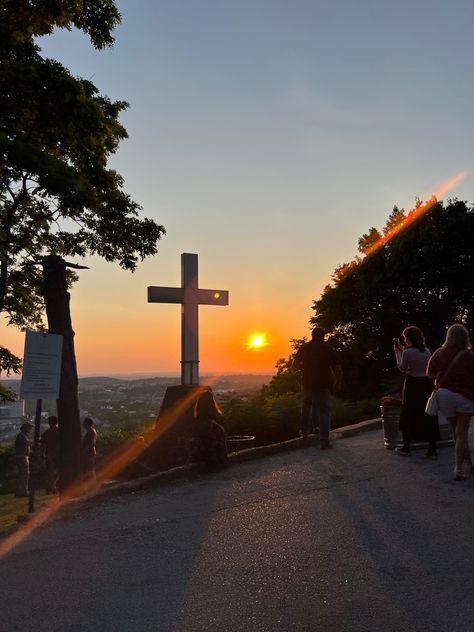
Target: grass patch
{"points": [[11, 508]]}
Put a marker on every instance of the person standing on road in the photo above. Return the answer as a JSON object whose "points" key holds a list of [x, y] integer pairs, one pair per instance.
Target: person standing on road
{"points": [[88, 450], [321, 373], [22, 453], [415, 424], [452, 366], [50, 454]]}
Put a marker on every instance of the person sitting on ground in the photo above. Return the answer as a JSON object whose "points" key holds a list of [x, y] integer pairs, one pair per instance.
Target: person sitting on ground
{"points": [[211, 436], [22, 453], [452, 365], [50, 454]]}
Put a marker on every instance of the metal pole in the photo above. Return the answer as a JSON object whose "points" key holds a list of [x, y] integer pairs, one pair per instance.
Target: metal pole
{"points": [[35, 460]]}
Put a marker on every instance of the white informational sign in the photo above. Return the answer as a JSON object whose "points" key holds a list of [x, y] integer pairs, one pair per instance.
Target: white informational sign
{"points": [[41, 366]]}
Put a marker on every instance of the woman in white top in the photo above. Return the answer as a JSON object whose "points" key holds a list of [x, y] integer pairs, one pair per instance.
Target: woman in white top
{"points": [[415, 424]]}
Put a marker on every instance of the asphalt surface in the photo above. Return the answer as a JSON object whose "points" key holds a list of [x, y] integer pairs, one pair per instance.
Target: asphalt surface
{"points": [[353, 539]]}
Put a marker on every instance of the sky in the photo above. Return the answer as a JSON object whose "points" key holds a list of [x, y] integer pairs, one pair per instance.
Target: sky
{"points": [[266, 136]]}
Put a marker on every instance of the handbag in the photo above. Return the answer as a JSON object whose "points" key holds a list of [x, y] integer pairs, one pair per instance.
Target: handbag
{"points": [[432, 404], [432, 407]]}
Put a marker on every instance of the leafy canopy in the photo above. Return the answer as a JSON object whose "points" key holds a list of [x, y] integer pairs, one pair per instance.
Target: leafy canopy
{"points": [[57, 132], [423, 275]]}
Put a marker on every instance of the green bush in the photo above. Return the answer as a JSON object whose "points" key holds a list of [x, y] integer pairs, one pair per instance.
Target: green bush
{"points": [[273, 418], [281, 418], [110, 440], [7, 468], [345, 413], [268, 418]]}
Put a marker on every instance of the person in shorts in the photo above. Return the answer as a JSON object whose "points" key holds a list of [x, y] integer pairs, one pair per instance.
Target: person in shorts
{"points": [[452, 366]]}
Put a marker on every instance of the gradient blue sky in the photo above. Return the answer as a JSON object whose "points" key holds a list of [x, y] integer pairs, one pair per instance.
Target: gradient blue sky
{"points": [[267, 136]]}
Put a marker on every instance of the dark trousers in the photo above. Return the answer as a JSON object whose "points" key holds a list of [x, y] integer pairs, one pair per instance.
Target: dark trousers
{"points": [[432, 437], [316, 413]]}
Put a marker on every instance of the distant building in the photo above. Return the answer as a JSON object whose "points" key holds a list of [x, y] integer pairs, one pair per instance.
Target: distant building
{"points": [[12, 415], [12, 412]]}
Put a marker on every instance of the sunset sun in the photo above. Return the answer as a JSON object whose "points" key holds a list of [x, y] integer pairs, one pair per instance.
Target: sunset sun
{"points": [[257, 341]]}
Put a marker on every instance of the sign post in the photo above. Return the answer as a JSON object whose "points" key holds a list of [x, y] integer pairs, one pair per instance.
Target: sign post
{"points": [[41, 366], [41, 379]]}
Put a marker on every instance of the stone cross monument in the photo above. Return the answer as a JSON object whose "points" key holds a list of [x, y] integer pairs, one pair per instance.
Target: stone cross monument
{"points": [[190, 295]]}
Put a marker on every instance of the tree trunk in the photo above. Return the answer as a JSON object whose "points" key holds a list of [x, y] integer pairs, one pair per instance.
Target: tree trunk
{"points": [[59, 322]]}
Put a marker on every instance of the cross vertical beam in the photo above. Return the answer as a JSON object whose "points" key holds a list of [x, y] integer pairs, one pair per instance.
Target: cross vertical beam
{"points": [[190, 296], [189, 320]]}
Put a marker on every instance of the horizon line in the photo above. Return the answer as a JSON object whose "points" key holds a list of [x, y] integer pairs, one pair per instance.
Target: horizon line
{"points": [[164, 374]]}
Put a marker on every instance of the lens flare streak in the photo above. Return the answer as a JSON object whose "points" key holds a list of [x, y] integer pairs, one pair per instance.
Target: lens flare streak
{"points": [[418, 211], [81, 489]]}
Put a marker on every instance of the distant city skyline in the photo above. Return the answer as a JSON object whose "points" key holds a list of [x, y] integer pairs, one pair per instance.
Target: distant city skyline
{"points": [[267, 137]]}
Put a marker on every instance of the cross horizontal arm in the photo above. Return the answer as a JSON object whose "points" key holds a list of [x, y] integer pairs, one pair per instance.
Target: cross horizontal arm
{"points": [[213, 297], [165, 294]]}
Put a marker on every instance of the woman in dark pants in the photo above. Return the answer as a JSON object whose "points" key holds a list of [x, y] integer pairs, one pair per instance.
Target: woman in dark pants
{"points": [[415, 424]]}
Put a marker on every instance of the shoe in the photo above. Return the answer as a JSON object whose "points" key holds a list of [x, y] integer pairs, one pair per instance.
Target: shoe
{"points": [[403, 451], [459, 477], [431, 455], [326, 446]]}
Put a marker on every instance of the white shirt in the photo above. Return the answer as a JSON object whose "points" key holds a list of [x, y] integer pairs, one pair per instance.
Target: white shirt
{"points": [[413, 361]]}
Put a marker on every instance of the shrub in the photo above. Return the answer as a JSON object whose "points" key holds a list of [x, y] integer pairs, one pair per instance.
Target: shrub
{"points": [[345, 413], [110, 440], [272, 418]]}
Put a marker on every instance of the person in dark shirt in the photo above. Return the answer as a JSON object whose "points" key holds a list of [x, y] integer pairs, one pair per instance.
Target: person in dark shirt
{"points": [[88, 449], [22, 454], [50, 454], [321, 373]]}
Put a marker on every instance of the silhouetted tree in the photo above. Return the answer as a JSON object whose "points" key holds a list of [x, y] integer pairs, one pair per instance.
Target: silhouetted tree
{"points": [[423, 275], [57, 132]]}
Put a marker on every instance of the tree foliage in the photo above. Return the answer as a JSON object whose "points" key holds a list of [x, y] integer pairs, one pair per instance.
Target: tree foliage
{"points": [[22, 20], [8, 364], [57, 132], [287, 379], [422, 275], [369, 240]]}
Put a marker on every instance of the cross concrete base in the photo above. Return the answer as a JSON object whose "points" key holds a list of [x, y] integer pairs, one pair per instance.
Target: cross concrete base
{"points": [[175, 428]]}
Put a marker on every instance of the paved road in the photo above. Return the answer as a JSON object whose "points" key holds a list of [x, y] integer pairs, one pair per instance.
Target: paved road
{"points": [[354, 539]]}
